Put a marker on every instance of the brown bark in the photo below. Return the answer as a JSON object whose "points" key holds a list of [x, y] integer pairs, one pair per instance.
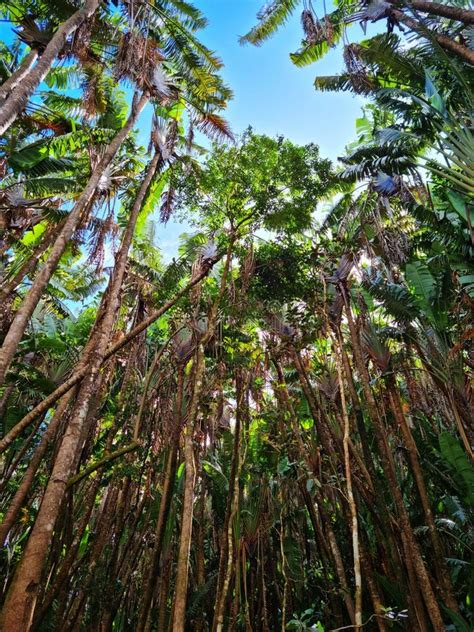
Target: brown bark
{"points": [[412, 549], [374, 593], [352, 507], [281, 392], [443, 10], [439, 563], [461, 51], [18, 75], [18, 97], [29, 303], [226, 553], [179, 609], [28, 478], [149, 583], [70, 557]]}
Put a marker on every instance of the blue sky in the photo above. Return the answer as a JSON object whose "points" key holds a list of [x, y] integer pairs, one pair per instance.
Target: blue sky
{"points": [[272, 94]]}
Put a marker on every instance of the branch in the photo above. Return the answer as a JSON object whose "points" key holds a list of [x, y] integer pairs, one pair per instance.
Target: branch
{"points": [[443, 10], [100, 463]]}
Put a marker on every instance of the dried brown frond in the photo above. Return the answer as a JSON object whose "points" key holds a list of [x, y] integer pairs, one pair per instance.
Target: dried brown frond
{"points": [[395, 245], [214, 126], [356, 69], [80, 45], [139, 60], [167, 204], [94, 99], [308, 22], [317, 31], [105, 228]]}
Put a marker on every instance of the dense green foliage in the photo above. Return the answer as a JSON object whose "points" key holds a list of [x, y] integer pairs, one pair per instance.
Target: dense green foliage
{"points": [[274, 430]]}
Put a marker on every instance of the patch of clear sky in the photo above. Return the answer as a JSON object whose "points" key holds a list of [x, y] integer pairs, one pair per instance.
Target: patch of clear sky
{"points": [[270, 92]]}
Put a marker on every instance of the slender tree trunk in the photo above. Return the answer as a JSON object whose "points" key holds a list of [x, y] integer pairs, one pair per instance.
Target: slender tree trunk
{"points": [[19, 96], [28, 478], [179, 609], [301, 451], [22, 316], [385, 457], [18, 75], [374, 592], [72, 551], [226, 555], [439, 563], [352, 506]]}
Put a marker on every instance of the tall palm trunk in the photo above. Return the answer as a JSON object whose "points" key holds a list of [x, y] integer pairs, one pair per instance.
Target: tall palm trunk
{"points": [[352, 506], [28, 477], [18, 97], [42, 279], [439, 562], [225, 562], [21, 599]]}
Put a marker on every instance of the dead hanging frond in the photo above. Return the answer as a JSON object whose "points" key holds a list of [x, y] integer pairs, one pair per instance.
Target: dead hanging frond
{"points": [[140, 60], [94, 93], [172, 136], [214, 126], [183, 345], [335, 311], [80, 45], [164, 136], [167, 204], [328, 383], [375, 348], [356, 69], [317, 31], [190, 138], [394, 243], [105, 229], [344, 269], [158, 138]]}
